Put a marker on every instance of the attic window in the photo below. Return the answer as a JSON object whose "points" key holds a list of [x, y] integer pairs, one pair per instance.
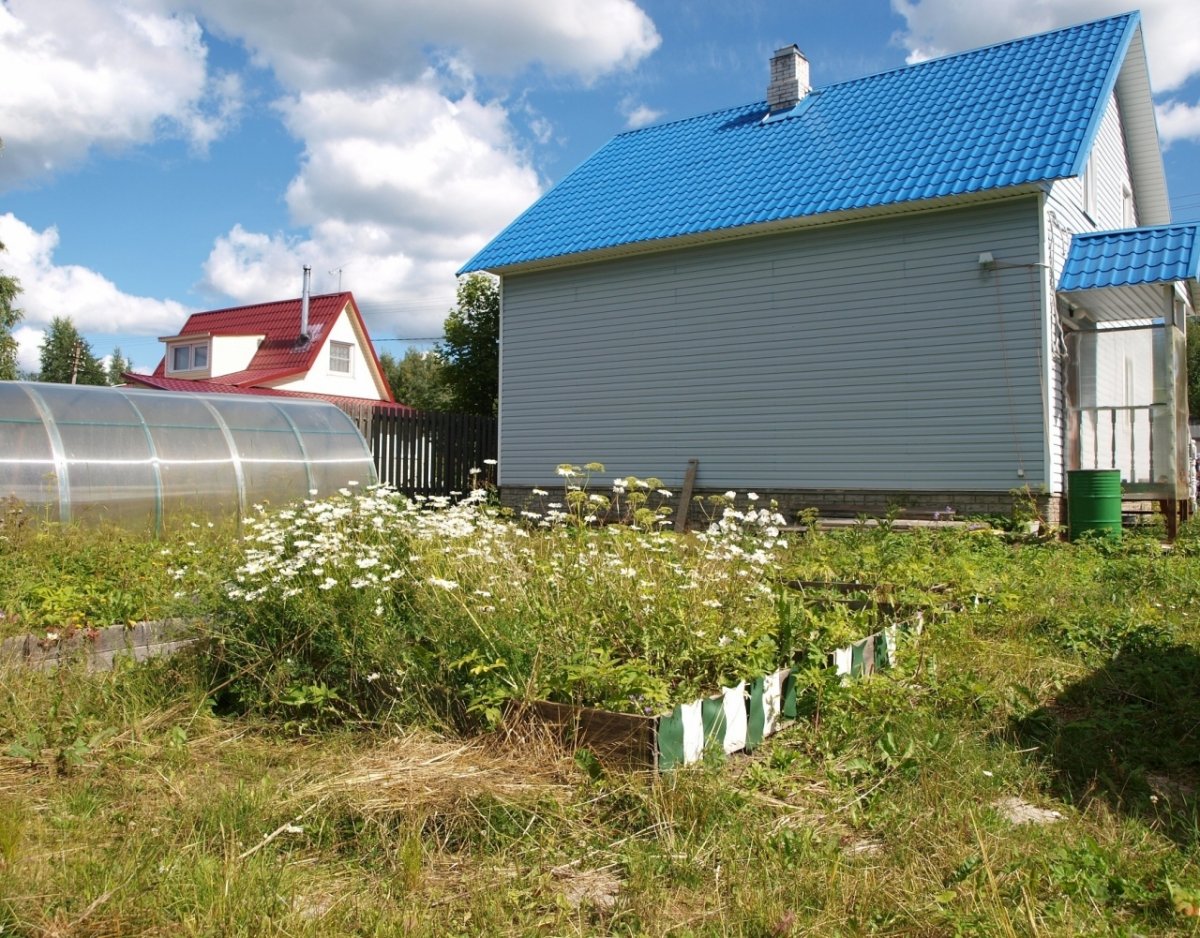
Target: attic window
{"points": [[189, 357], [339, 358]]}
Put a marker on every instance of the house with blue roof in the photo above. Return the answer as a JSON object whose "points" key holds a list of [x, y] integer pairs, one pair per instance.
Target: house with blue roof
{"points": [[924, 288]]}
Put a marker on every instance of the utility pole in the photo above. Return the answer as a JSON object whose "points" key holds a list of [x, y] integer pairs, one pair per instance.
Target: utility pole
{"points": [[76, 356]]}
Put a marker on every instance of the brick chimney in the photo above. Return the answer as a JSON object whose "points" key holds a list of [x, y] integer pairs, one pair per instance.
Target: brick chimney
{"points": [[789, 79]]}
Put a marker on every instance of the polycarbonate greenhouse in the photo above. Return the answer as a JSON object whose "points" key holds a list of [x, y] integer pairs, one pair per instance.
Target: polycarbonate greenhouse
{"points": [[153, 459]]}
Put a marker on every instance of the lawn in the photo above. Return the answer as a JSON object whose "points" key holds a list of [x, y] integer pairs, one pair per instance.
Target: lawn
{"points": [[331, 761]]}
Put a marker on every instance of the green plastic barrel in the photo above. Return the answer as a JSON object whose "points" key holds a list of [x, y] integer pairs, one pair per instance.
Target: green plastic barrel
{"points": [[1094, 502]]}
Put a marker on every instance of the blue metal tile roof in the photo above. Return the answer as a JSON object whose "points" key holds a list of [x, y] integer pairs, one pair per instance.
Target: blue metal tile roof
{"points": [[1019, 112], [1133, 256]]}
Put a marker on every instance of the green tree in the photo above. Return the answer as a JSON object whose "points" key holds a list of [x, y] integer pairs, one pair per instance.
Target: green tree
{"points": [[1193, 366], [118, 364], [66, 353], [10, 287], [470, 350], [416, 379]]}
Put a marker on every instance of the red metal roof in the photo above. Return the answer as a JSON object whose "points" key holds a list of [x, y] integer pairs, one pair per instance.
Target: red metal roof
{"points": [[217, 387], [280, 355]]}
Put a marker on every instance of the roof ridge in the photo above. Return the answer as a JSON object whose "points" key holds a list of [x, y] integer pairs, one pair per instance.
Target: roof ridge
{"points": [[294, 299], [1016, 40], [949, 56]]}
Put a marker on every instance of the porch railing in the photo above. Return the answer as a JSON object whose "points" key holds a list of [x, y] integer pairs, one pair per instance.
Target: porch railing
{"points": [[1121, 437]]}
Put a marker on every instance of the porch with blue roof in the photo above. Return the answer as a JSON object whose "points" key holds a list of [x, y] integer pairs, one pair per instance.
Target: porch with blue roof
{"points": [[1129, 293]]}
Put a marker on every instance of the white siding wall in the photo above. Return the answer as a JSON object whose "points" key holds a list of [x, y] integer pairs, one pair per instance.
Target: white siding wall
{"points": [[870, 355], [232, 353], [360, 382], [1065, 217]]}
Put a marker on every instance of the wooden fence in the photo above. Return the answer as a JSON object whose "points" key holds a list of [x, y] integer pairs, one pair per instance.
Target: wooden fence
{"points": [[433, 454]]}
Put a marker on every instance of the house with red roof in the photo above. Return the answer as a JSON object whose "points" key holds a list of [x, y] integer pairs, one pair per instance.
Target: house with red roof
{"points": [[314, 346]]}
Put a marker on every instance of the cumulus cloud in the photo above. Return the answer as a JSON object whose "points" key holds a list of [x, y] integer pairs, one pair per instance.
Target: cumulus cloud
{"points": [[403, 178], [1178, 121], [29, 348], [363, 42], [406, 168], [938, 27], [398, 185], [78, 74], [88, 299], [410, 156]]}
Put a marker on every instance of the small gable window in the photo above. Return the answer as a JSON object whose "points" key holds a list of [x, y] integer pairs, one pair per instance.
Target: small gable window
{"points": [[339, 358], [189, 357]]}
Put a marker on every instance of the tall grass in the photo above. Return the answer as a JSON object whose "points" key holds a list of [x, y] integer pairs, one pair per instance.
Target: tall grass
{"points": [[369, 602], [56, 577], [1061, 677]]}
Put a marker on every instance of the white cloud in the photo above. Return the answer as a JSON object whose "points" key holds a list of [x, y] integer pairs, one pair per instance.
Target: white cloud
{"points": [[91, 301], [636, 113], [29, 348], [318, 45], [937, 27], [79, 74], [400, 181], [217, 113], [398, 186], [1178, 121]]}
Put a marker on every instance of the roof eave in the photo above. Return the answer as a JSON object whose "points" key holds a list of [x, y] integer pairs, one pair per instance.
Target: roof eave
{"points": [[779, 226], [283, 374], [1136, 102], [1116, 67]]}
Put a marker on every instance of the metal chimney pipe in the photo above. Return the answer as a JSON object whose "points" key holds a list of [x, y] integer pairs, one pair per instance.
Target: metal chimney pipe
{"points": [[304, 304]]}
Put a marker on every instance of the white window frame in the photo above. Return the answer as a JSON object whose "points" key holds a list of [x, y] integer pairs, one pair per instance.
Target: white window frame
{"points": [[190, 353], [348, 371]]}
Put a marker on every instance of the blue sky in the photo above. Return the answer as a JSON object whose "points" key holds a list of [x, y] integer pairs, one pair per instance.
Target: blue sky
{"points": [[166, 156]]}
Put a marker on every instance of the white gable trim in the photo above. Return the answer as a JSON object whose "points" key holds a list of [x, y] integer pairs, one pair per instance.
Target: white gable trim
{"points": [[1136, 102]]}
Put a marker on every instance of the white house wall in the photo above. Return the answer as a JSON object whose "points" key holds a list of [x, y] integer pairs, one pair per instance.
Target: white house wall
{"points": [[874, 355], [1065, 217], [232, 353], [360, 382]]}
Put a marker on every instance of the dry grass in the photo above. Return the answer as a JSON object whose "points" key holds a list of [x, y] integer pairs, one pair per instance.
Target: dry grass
{"points": [[422, 773]]}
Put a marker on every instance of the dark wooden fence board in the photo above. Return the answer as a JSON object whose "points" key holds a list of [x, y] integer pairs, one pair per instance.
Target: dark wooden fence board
{"points": [[432, 453]]}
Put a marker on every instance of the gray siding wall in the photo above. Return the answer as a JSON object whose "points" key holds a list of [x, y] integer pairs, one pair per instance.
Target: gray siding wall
{"points": [[874, 355]]}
